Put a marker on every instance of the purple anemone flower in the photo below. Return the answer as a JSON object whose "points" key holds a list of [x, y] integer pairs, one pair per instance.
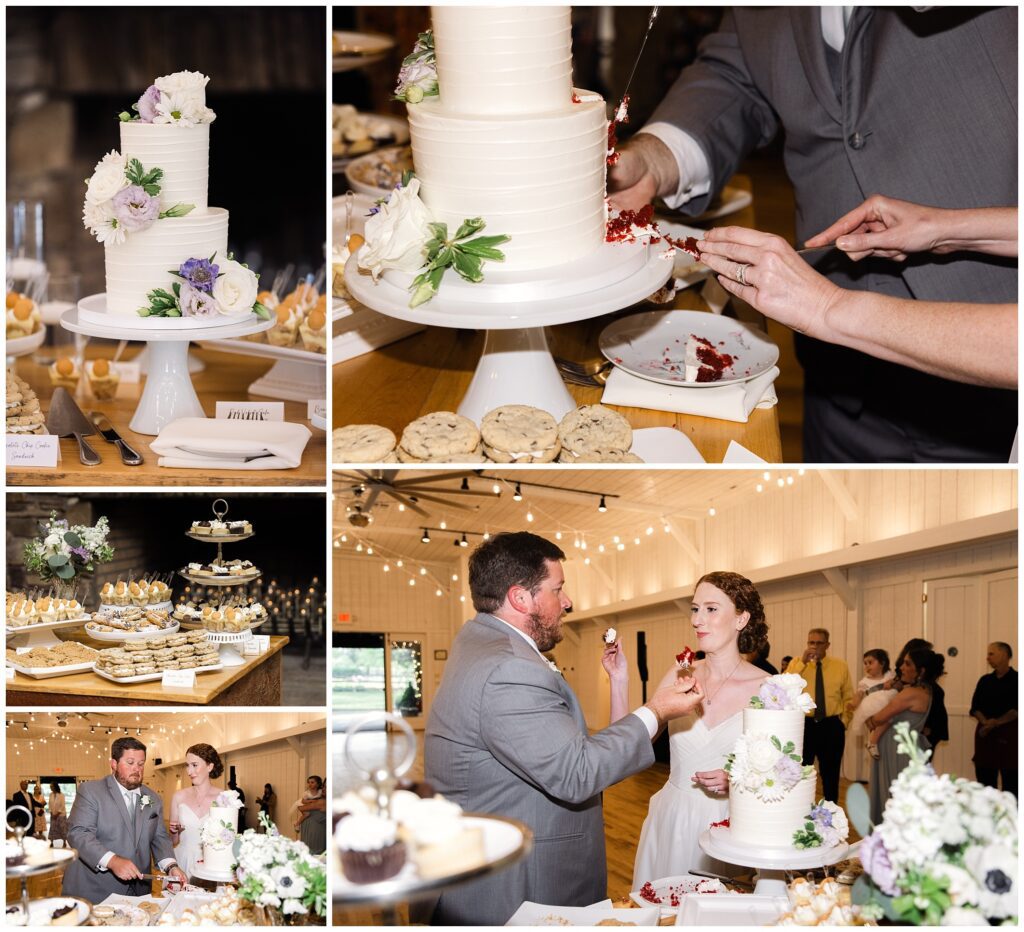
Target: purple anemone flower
{"points": [[199, 273]]}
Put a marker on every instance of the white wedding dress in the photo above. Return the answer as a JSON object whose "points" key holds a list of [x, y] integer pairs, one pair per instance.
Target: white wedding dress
{"points": [[681, 809], [189, 849]]}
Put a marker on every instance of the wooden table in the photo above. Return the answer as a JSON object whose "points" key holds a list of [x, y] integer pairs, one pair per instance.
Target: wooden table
{"points": [[225, 378], [257, 682], [431, 371]]}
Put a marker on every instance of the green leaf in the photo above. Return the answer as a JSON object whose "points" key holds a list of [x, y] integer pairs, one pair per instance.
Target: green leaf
{"points": [[67, 571], [143, 312], [438, 231], [444, 257], [776, 743], [134, 171], [425, 286], [176, 288], [469, 227], [178, 210], [124, 116], [58, 559], [173, 312], [468, 267], [408, 176], [262, 312], [73, 539], [475, 248]]}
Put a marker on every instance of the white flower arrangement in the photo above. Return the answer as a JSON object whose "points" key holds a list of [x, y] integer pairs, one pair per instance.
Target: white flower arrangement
{"points": [[826, 825], [946, 850], [783, 692], [418, 76], [173, 98], [123, 197], [277, 871], [208, 288], [228, 799], [766, 767], [65, 551]]}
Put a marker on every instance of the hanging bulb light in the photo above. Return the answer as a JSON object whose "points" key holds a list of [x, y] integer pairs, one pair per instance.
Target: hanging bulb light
{"points": [[438, 592], [602, 507], [426, 536], [517, 496], [463, 542], [465, 485], [423, 571], [760, 488]]}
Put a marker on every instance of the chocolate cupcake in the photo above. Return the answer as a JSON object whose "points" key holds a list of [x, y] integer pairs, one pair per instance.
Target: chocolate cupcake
{"points": [[369, 848]]}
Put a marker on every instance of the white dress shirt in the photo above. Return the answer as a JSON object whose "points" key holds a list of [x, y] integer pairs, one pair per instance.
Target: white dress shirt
{"points": [[645, 715], [694, 172], [132, 798]]}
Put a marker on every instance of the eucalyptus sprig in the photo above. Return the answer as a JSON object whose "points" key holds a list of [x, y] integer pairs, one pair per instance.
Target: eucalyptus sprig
{"points": [[459, 252]]}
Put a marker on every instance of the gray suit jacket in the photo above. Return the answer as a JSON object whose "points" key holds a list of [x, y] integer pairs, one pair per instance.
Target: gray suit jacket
{"points": [[100, 822], [919, 106], [506, 736]]}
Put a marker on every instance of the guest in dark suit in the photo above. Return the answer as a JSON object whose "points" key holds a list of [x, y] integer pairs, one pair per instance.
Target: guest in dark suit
{"points": [[853, 90], [22, 797], [994, 707]]}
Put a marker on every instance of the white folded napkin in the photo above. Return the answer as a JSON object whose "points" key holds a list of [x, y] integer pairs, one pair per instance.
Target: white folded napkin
{"points": [[737, 453], [210, 443], [725, 402]]}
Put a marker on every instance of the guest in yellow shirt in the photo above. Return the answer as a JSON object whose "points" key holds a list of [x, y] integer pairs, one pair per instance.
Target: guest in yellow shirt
{"points": [[829, 685]]}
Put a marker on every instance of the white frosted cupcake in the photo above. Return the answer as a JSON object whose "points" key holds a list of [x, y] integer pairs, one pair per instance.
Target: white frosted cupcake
{"points": [[369, 848]]}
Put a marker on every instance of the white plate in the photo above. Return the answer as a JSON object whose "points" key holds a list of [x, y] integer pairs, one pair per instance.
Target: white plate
{"points": [[46, 673], [10, 630], [684, 886], [119, 610], [151, 677], [225, 579], [20, 346], [39, 911], [399, 127], [131, 635], [731, 909], [320, 423], [357, 49], [265, 350], [651, 345], [361, 169], [537, 914]]}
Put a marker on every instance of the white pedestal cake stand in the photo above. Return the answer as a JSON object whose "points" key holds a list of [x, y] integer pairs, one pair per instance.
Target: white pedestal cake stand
{"points": [[516, 366], [41, 635], [771, 864], [168, 394]]}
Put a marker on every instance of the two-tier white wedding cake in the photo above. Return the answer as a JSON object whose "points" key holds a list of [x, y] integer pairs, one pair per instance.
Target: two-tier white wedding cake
{"points": [[166, 249]]}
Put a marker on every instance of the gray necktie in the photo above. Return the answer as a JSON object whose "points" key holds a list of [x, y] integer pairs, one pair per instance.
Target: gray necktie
{"points": [[135, 811]]}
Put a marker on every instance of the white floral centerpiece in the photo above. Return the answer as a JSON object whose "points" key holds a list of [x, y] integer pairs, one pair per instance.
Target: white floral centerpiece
{"points": [[208, 288], [173, 98], [274, 871], [946, 851], [122, 197], [401, 234], [783, 692], [66, 551]]}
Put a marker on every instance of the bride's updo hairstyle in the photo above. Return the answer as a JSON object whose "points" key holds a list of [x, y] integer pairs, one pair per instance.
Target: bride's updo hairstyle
{"points": [[209, 754], [744, 597]]}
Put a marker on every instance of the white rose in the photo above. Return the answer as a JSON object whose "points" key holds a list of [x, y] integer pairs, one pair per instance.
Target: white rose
{"points": [[761, 753], [236, 287], [107, 179], [396, 236], [182, 81], [53, 541]]}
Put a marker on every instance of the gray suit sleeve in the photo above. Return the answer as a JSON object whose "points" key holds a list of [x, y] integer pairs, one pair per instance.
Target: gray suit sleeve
{"points": [[716, 101], [82, 827], [528, 726]]}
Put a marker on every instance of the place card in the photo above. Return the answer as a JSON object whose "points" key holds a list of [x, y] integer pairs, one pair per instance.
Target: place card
{"points": [[250, 410], [33, 450], [316, 407], [10, 672], [250, 648], [180, 679], [130, 372], [22, 650], [262, 641]]}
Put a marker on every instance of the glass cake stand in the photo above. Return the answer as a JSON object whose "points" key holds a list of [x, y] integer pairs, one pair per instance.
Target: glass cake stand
{"points": [[771, 863], [168, 394], [516, 366]]}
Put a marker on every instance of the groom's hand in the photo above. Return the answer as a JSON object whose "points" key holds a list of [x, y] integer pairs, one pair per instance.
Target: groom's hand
{"points": [[676, 699], [123, 868]]}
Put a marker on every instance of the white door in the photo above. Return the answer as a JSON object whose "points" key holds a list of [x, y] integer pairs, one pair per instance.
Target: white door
{"points": [[963, 615]]}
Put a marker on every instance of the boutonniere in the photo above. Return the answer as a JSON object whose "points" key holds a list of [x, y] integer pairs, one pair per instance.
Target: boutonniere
{"points": [[144, 801], [553, 665]]}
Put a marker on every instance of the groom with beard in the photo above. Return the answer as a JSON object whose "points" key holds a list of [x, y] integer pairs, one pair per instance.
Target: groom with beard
{"points": [[116, 825], [506, 736]]}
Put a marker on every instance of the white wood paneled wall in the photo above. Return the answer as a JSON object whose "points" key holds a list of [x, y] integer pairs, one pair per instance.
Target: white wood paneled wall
{"points": [[55, 757]]}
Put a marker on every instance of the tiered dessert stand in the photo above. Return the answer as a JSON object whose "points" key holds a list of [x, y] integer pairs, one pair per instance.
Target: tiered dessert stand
{"points": [[229, 641], [41, 634], [168, 394], [506, 841], [516, 366], [772, 865], [58, 860]]}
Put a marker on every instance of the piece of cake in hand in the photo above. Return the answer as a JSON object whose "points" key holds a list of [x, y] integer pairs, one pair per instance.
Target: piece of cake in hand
{"points": [[103, 379], [611, 636], [22, 316], [684, 659], [314, 331], [64, 373]]}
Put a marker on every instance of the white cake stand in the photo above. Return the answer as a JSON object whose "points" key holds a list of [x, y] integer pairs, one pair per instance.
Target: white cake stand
{"points": [[516, 366], [199, 870], [168, 394], [41, 635], [771, 863]]}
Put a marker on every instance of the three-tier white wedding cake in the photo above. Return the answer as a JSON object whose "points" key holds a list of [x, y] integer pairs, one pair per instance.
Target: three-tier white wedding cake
{"points": [[218, 839], [166, 249]]}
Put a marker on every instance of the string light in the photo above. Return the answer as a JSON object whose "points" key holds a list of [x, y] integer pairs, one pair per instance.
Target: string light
{"points": [[711, 511], [529, 516]]}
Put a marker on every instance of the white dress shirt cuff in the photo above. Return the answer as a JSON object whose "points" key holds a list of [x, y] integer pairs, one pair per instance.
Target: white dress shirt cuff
{"points": [[166, 864], [694, 172], [649, 719], [105, 860]]}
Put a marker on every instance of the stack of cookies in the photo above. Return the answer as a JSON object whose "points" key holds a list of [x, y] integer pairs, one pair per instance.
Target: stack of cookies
{"points": [[519, 433], [24, 416], [595, 434], [441, 437], [189, 651]]}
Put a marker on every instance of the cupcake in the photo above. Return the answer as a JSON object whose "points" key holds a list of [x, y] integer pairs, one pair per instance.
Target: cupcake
{"points": [[137, 595], [121, 594], [107, 594], [268, 299], [64, 374], [46, 610], [103, 380], [22, 316], [314, 331], [284, 331], [13, 853], [369, 848]]}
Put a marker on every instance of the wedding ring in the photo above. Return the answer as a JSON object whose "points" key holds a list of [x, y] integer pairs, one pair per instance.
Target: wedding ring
{"points": [[741, 273]]}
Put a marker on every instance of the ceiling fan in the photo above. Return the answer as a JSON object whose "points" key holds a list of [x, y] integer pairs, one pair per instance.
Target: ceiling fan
{"points": [[367, 487]]}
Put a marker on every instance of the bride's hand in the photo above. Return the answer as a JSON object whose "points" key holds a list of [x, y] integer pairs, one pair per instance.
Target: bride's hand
{"points": [[614, 661], [715, 781]]}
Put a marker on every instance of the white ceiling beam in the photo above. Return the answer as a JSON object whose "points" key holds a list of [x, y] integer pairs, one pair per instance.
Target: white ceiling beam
{"points": [[841, 586], [846, 502], [683, 539]]}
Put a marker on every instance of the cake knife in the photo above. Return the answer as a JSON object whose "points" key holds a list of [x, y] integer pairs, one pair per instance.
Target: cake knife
{"points": [[128, 456], [629, 80]]}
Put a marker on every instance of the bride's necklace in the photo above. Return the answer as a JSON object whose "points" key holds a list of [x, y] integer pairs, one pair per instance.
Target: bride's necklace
{"points": [[710, 696]]}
